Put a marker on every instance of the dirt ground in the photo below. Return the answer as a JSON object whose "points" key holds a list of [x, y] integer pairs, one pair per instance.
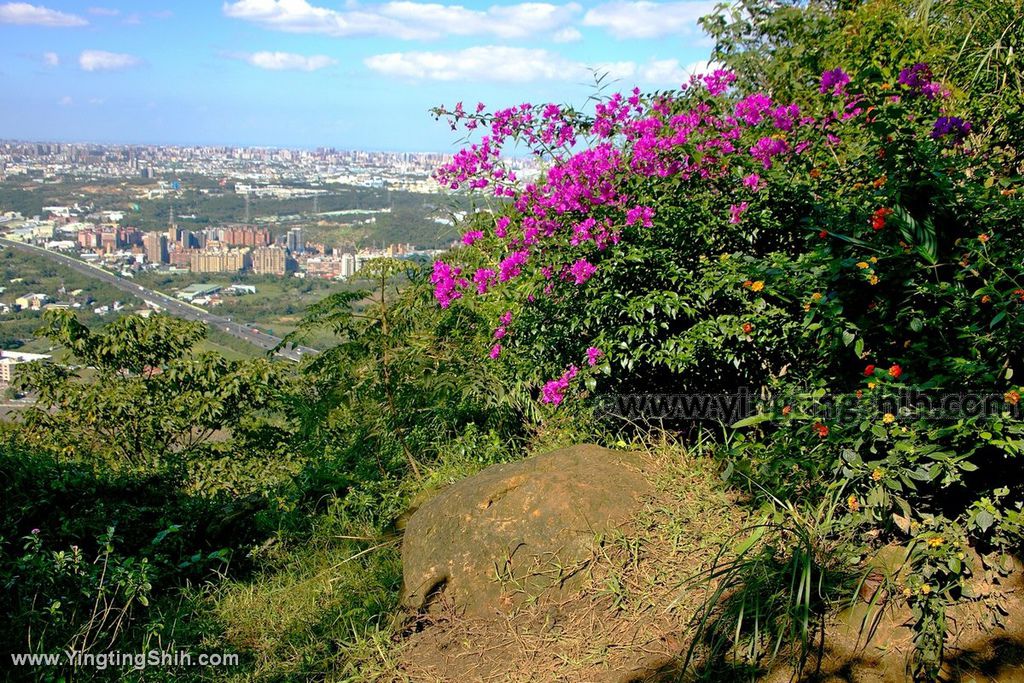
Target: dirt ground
{"points": [[623, 623], [632, 616]]}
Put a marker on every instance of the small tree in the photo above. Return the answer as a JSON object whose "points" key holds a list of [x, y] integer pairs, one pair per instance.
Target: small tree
{"points": [[138, 396]]}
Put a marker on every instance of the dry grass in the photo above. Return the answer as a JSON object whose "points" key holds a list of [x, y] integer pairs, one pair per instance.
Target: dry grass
{"points": [[629, 618]]}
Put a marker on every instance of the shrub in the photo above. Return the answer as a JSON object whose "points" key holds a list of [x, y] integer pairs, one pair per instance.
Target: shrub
{"points": [[853, 255]]}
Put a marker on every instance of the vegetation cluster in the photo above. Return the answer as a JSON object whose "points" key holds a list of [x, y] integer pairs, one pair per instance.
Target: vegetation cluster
{"points": [[829, 220]]}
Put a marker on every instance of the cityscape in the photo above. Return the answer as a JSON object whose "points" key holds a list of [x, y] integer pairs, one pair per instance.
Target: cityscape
{"points": [[221, 235], [261, 171], [134, 211]]}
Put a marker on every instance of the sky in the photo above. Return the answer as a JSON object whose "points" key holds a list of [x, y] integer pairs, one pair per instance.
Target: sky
{"points": [[347, 74]]}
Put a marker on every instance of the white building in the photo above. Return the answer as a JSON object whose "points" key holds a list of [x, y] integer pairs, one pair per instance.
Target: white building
{"points": [[348, 265], [8, 359]]}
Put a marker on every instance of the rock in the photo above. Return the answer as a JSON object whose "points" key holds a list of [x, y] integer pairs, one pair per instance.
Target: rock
{"points": [[518, 530]]}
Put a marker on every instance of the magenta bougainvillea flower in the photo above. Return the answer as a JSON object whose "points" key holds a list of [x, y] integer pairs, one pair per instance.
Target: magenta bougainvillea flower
{"points": [[554, 391], [582, 270], [834, 82], [599, 169], [736, 211]]}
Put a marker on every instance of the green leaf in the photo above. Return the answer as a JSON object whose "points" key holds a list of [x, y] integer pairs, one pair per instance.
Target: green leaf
{"points": [[984, 520], [749, 542], [753, 420], [921, 234]]}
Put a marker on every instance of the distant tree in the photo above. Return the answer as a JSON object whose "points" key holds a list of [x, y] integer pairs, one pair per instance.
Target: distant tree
{"points": [[139, 397]]}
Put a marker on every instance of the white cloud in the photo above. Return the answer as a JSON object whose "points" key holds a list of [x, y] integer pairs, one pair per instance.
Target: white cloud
{"points": [[24, 14], [519, 65], [567, 35], [644, 19], [51, 59], [104, 11], [287, 61], [101, 60], [671, 72], [405, 19], [487, 63], [65, 101]]}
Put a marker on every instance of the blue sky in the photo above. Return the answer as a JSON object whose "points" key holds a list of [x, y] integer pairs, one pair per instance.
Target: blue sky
{"points": [[306, 73]]}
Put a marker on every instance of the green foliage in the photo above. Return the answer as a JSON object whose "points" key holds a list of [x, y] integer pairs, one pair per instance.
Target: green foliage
{"points": [[867, 276], [92, 560], [401, 379], [865, 281], [148, 403], [773, 589], [782, 47], [921, 473]]}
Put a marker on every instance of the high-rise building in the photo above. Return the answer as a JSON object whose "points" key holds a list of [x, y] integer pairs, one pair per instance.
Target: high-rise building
{"points": [[245, 236], [108, 241], [293, 240], [271, 260], [219, 260], [348, 265], [180, 258], [172, 227], [88, 239], [129, 236], [155, 244]]}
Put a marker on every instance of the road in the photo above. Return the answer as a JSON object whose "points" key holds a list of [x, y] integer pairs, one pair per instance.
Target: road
{"points": [[174, 306]]}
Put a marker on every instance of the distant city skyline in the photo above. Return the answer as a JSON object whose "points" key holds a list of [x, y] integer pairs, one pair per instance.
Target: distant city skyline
{"points": [[303, 74]]}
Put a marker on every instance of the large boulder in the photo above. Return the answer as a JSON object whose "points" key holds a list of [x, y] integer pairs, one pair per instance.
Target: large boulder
{"points": [[518, 530]]}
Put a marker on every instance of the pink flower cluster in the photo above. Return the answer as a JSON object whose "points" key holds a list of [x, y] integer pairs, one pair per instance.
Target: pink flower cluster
{"points": [[447, 283], [478, 166], [718, 81], [588, 199], [554, 391], [583, 195]]}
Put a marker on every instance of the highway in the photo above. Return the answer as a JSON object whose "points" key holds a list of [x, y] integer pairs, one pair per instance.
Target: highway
{"points": [[170, 304]]}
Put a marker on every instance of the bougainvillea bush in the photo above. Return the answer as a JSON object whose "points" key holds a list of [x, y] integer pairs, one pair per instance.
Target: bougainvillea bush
{"points": [[856, 255]]}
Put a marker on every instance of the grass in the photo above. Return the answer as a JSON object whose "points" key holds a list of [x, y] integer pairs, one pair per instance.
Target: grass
{"points": [[670, 585], [771, 591], [230, 347], [324, 609]]}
